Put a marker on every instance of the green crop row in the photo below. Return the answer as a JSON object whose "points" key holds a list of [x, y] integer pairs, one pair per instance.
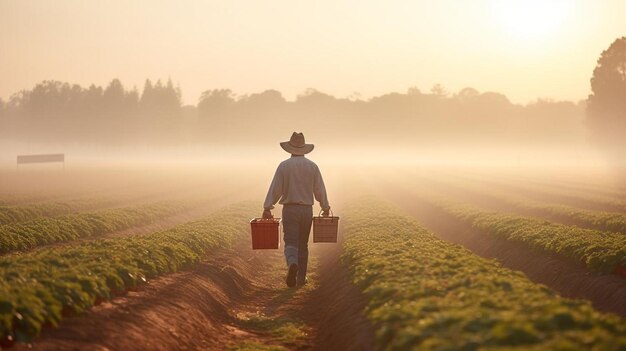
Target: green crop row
{"points": [[606, 203], [10, 199], [428, 294], [606, 221], [606, 190], [23, 213], [21, 236], [600, 251], [40, 287]]}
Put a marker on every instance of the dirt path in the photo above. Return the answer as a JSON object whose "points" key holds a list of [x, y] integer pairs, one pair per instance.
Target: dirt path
{"points": [[234, 300], [571, 279]]}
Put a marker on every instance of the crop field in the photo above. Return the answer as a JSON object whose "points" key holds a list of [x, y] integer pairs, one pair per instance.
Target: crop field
{"points": [[425, 293], [184, 175], [425, 261]]}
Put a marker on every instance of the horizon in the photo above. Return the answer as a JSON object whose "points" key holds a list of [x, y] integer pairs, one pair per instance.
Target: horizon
{"points": [[354, 98], [538, 51], [460, 185]]}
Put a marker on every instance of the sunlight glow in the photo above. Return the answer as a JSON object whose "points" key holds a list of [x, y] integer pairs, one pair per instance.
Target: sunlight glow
{"points": [[531, 19]]}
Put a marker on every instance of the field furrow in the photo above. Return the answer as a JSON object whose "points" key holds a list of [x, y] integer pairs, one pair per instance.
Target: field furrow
{"points": [[484, 196], [599, 251], [40, 287], [427, 294], [16, 214], [585, 200], [572, 186], [45, 231]]}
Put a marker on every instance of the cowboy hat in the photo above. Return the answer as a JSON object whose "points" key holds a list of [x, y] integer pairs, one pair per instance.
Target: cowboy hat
{"points": [[296, 145]]}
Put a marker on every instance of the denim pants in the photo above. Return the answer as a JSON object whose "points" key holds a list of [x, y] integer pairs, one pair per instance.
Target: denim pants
{"points": [[297, 221]]}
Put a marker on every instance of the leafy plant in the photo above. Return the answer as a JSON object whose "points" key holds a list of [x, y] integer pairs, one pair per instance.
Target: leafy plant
{"points": [[600, 251], [41, 287], [21, 236], [428, 294]]}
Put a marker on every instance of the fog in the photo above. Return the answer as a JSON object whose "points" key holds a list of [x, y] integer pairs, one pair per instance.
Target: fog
{"points": [[474, 120], [113, 125]]}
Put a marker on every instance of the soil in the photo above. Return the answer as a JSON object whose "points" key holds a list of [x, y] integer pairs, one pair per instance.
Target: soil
{"points": [[161, 224], [495, 204], [565, 199], [607, 292], [236, 299]]}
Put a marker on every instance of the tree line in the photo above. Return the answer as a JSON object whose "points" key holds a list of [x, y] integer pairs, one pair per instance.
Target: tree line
{"points": [[54, 111], [60, 112]]}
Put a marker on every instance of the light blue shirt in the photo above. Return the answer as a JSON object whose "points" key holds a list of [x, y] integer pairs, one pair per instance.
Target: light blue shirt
{"points": [[297, 181]]}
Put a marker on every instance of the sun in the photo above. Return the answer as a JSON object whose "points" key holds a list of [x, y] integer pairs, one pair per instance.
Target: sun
{"points": [[531, 19]]}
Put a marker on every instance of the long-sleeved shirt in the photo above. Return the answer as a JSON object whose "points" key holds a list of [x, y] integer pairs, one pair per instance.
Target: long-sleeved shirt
{"points": [[296, 181]]}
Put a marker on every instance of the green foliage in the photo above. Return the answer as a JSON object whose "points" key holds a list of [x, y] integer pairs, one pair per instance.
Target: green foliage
{"points": [[38, 287], [600, 251], [607, 221], [601, 220], [428, 294], [13, 199], [606, 106], [23, 213], [21, 236], [595, 199]]}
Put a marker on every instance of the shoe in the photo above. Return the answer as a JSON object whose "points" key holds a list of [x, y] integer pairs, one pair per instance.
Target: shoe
{"points": [[291, 275], [301, 283]]}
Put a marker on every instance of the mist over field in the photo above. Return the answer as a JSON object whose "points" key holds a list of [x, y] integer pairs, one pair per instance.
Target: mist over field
{"points": [[411, 125], [464, 129], [329, 175], [492, 109]]}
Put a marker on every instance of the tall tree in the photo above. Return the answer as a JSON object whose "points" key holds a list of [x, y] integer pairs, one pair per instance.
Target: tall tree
{"points": [[606, 106], [147, 97], [114, 97]]}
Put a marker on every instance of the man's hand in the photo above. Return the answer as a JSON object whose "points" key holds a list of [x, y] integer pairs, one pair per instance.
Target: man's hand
{"points": [[267, 214], [326, 212]]}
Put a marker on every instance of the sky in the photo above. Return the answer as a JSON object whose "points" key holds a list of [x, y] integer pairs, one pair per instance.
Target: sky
{"points": [[524, 49]]}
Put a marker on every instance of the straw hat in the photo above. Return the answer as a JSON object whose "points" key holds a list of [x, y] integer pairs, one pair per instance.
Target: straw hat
{"points": [[296, 145]]}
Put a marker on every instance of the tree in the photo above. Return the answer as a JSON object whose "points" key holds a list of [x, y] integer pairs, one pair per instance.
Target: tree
{"points": [[439, 91], [313, 97], [414, 91], [467, 94], [215, 101], [114, 97], [159, 99], [606, 106], [170, 97], [268, 98], [147, 97]]}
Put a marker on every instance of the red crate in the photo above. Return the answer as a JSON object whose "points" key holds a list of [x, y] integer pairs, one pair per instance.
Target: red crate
{"points": [[325, 229], [265, 233]]}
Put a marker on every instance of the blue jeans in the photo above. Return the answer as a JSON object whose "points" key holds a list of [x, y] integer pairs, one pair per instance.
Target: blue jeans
{"points": [[297, 221]]}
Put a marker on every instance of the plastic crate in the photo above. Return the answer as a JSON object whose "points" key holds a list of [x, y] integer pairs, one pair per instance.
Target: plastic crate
{"points": [[265, 233], [325, 229]]}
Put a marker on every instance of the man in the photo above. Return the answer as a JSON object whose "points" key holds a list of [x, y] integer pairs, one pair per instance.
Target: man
{"points": [[296, 181]]}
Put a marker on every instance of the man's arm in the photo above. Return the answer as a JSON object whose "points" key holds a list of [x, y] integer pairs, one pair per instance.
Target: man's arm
{"points": [[275, 191], [319, 191]]}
